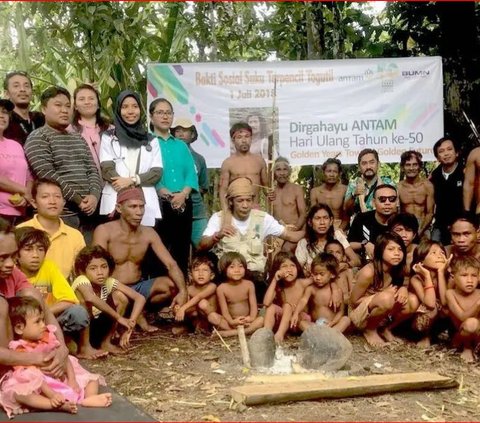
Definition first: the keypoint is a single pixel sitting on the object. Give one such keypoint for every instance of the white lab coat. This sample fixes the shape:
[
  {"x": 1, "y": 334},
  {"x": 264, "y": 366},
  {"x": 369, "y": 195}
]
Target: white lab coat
[{"x": 111, "y": 150}]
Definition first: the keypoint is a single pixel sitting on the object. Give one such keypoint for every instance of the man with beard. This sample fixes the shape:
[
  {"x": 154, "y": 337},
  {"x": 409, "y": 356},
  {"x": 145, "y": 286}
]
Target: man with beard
[
  {"x": 415, "y": 193},
  {"x": 447, "y": 180},
  {"x": 359, "y": 195},
  {"x": 19, "y": 90},
  {"x": 243, "y": 163},
  {"x": 332, "y": 192},
  {"x": 368, "y": 225},
  {"x": 288, "y": 200}
]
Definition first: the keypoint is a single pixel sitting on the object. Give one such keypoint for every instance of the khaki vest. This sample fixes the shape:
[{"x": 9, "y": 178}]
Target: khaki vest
[{"x": 249, "y": 245}]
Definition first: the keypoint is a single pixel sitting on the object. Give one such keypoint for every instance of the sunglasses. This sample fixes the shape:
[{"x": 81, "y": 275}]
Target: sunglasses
[{"x": 391, "y": 199}]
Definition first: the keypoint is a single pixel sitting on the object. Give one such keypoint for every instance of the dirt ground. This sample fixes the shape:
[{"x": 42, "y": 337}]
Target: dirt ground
[{"x": 187, "y": 378}]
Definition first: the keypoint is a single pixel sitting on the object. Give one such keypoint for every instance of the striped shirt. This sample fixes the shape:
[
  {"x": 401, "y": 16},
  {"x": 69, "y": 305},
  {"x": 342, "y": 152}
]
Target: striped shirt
[{"x": 65, "y": 158}]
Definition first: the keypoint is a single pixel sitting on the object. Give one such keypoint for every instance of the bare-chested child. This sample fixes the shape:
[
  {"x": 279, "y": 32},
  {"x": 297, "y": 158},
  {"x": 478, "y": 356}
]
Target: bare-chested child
[
  {"x": 236, "y": 298},
  {"x": 345, "y": 272},
  {"x": 128, "y": 241},
  {"x": 105, "y": 299},
  {"x": 405, "y": 225},
  {"x": 201, "y": 293},
  {"x": 379, "y": 301},
  {"x": 332, "y": 192},
  {"x": 242, "y": 163},
  {"x": 283, "y": 294},
  {"x": 428, "y": 283},
  {"x": 288, "y": 200},
  {"x": 415, "y": 192},
  {"x": 463, "y": 302},
  {"x": 319, "y": 297}
]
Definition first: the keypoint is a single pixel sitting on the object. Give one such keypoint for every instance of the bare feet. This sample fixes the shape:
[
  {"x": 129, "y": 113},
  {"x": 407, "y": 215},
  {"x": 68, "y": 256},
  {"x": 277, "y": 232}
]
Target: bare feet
[
  {"x": 100, "y": 400},
  {"x": 68, "y": 407},
  {"x": 424, "y": 342},
  {"x": 144, "y": 325},
  {"x": 373, "y": 338},
  {"x": 278, "y": 338},
  {"x": 20, "y": 410},
  {"x": 390, "y": 337},
  {"x": 90, "y": 353},
  {"x": 113, "y": 349},
  {"x": 467, "y": 355}
]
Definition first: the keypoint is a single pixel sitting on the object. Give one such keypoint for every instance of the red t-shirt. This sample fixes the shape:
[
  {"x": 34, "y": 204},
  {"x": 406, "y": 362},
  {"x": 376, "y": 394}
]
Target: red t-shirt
[{"x": 14, "y": 283}]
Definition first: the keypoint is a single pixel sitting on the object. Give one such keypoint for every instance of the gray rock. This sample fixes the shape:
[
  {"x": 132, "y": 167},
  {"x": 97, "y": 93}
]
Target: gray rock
[
  {"x": 262, "y": 348},
  {"x": 323, "y": 348}
]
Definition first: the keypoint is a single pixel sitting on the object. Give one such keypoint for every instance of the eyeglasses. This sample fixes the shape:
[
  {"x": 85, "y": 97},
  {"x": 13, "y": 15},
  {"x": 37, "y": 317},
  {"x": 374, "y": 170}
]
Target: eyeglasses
[
  {"x": 163, "y": 113},
  {"x": 391, "y": 199}
]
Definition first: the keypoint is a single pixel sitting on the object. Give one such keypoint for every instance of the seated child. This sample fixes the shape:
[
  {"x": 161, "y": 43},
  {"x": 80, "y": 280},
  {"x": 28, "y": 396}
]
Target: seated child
[
  {"x": 201, "y": 292},
  {"x": 428, "y": 283},
  {"x": 319, "y": 297},
  {"x": 405, "y": 225},
  {"x": 463, "y": 302},
  {"x": 57, "y": 293},
  {"x": 283, "y": 294},
  {"x": 105, "y": 298},
  {"x": 236, "y": 298},
  {"x": 26, "y": 386},
  {"x": 345, "y": 272},
  {"x": 379, "y": 299}
]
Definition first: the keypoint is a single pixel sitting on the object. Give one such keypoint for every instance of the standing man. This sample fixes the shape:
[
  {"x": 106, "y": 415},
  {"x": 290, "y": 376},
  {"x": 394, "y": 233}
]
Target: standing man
[
  {"x": 63, "y": 156},
  {"x": 416, "y": 193},
  {"x": 288, "y": 200},
  {"x": 447, "y": 180},
  {"x": 332, "y": 192},
  {"x": 19, "y": 90},
  {"x": 242, "y": 163},
  {"x": 471, "y": 184},
  {"x": 127, "y": 241},
  {"x": 359, "y": 195}
]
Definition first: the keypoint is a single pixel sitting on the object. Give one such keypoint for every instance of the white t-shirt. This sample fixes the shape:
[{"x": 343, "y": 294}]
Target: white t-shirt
[{"x": 270, "y": 225}]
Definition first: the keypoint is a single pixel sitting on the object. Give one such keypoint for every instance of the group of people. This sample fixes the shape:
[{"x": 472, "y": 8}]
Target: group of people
[{"x": 101, "y": 221}]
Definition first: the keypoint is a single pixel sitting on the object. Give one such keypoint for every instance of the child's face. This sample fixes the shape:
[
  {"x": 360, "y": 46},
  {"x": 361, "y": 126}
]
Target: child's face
[
  {"x": 405, "y": 233},
  {"x": 321, "y": 275},
  {"x": 393, "y": 254},
  {"x": 336, "y": 251},
  {"x": 31, "y": 256},
  {"x": 435, "y": 258},
  {"x": 235, "y": 271},
  {"x": 289, "y": 271},
  {"x": 466, "y": 279},
  {"x": 97, "y": 271},
  {"x": 34, "y": 327},
  {"x": 202, "y": 274}
]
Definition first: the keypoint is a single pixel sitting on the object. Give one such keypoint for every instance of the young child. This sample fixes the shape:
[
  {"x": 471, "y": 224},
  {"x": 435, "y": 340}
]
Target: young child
[
  {"x": 464, "y": 304},
  {"x": 283, "y": 294},
  {"x": 428, "y": 283},
  {"x": 44, "y": 274},
  {"x": 378, "y": 297},
  {"x": 319, "y": 297},
  {"x": 345, "y": 272},
  {"x": 236, "y": 298},
  {"x": 405, "y": 225},
  {"x": 26, "y": 386},
  {"x": 105, "y": 298},
  {"x": 201, "y": 292}
]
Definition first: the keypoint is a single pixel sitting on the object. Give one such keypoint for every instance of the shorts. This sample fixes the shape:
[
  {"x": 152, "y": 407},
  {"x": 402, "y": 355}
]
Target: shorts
[
  {"x": 359, "y": 315},
  {"x": 73, "y": 319},
  {"x": 143, "y": 287}
]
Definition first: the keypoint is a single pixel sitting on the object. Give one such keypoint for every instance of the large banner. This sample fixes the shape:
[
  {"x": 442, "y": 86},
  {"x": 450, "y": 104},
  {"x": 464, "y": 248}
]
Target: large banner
[{"x": 312, "y": 109}]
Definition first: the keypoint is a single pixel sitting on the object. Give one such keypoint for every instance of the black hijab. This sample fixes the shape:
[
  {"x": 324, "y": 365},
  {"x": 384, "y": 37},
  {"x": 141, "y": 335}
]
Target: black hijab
[{"x": 130, "y": 136}]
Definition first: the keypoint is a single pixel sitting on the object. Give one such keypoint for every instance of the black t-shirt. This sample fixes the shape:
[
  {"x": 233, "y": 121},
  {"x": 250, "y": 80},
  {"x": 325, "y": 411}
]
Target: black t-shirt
[
  {"x": 365, "y": 227},
  {"x": 19, "y": 128}
]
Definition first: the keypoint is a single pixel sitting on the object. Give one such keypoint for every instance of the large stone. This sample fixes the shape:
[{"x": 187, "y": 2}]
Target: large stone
[
  {"x": 323, "y": 348},
  {"x": 262, "y": 348}
]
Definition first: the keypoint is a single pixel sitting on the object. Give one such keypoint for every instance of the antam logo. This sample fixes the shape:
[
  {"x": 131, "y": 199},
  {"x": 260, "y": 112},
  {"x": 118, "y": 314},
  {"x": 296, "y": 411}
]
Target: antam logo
[{"x": 413, "y": 73}]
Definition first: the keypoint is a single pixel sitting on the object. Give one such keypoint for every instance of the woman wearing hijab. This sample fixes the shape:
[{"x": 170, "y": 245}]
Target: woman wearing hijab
[{"x": 129, "y": 156}]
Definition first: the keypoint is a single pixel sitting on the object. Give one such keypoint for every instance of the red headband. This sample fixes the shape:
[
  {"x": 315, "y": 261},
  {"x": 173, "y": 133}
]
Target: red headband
[{"x": 130, "y": 194}]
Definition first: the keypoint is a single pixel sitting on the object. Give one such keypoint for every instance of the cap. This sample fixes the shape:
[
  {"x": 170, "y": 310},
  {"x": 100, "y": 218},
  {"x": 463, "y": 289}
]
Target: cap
[
  {"x": 182, "y": 122},
  {"x": 7, "y": 104}
]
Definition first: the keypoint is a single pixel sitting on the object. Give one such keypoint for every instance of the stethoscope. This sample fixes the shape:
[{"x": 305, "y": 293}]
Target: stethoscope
[{"x": 118, "y": 156}]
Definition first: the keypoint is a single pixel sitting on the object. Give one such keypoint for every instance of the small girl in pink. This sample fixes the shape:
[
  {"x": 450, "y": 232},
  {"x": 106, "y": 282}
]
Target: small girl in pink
[{"x": 26, "y": 387}]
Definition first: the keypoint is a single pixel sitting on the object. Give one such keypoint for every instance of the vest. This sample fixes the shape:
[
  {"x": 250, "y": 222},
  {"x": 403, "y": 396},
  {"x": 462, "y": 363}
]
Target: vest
[{"x": 249, "y": 245}]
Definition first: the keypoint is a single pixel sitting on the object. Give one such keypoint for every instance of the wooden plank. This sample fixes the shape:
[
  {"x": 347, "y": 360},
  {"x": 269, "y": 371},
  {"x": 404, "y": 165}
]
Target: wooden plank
[
  {"x": 339, "y": 387},
  {"x": 243, "y": 346},
  {"x": 293, "y": 377}
]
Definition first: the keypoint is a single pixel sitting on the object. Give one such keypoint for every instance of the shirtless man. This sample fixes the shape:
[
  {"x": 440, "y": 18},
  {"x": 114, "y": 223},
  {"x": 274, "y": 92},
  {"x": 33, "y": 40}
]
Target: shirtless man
[
  {"x": 128, "y": 241},
  {"x": 471, "y": 188},
  {"x": 332, "y": 192},
  {"x": 288, "y": 200},
  {"x": 416, "y": 194},
  {"x": 242, "y": 163}
]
